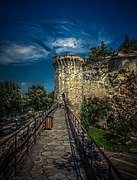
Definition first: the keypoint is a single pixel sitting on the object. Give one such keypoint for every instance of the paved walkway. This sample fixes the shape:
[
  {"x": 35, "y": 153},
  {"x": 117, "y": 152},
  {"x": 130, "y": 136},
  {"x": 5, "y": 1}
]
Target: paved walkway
[{"x": 54, "y": 157}]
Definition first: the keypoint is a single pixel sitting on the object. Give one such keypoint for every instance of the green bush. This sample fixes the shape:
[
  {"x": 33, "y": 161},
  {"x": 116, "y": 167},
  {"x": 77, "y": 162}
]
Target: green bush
[
  {"x": 93, "y": 110},
  {"x": 110, "y": 142}
]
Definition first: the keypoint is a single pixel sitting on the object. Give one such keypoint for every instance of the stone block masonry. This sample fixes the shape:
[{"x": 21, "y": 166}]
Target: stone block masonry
[
  {"x": 69, "y": 79},
  {"x": 77, "y": 78}
]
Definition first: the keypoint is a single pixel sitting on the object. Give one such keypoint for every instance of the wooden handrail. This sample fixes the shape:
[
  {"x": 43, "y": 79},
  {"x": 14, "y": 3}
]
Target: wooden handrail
[{"x": 16, "y": 145}]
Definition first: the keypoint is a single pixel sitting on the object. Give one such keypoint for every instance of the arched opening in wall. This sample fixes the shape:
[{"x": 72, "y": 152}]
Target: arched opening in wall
[{"x": 63, "y": 96}]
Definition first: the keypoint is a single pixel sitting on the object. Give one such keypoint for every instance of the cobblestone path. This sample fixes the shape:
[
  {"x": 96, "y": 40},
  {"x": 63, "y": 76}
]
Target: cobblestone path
[{"x": 54, "y": 157}]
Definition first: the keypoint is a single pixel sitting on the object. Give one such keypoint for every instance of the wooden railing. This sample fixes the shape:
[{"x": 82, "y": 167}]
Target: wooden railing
[
  {"x": 97, "y": 164},
  {"x": 16, "y": 145}
]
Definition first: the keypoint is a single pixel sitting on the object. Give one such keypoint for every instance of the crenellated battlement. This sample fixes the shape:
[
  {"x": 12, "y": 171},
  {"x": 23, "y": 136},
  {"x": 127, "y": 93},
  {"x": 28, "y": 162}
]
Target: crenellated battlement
[
  {"x": 65, "y": 60},
  {"x": 67, "y": 56}
]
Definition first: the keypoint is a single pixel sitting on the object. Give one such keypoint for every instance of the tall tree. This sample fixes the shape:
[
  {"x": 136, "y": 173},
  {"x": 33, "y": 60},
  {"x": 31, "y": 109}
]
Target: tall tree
[
  {"x": 128, "y": 46},
  {"x": 10, "y": 99},
  {"x": 101, "y": 52},
  {"x": 39, "y": 98}
]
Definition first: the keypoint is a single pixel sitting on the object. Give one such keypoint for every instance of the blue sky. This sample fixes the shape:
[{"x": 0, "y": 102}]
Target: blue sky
[{"x": 33, "y": 31}]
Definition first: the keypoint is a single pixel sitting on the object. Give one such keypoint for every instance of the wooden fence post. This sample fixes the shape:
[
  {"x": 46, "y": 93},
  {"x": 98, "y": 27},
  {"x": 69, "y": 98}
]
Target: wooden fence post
[
  {"x": 35, "y": 130},
  {"x": 15, "y": 160},
  {"x": 28, "y": 139}
]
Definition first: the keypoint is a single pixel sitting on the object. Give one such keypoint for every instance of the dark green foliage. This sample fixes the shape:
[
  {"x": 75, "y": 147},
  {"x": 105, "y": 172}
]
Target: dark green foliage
[
  {"x": 10, "y": 99},
  {"x": 37, "y": 96},
  {"x": 98, "y": 108},
  {"x": 129, "y": 46},
  {"x": 100, "y": 52},
  {"x": 13, "y": 102},
  {"x": 122, "y": 127},
  {"x": 93, "y": 111},
  {"x": 50, "y": 98},
  {"x": 119, "y": 129},
  {"x": 110, "y": 142},
  {"x": 37, "y": 99}
]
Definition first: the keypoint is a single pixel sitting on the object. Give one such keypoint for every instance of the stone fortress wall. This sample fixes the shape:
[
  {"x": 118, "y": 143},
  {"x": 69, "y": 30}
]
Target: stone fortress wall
[{"x": 77, "y": 78}]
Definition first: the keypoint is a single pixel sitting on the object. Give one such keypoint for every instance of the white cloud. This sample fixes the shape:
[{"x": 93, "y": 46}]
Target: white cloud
[
  {"x": 44, "y": 39},
  {"x": 21, "y": 53},
  {"x": 67, "y": 42},
  {"x": 72, "y": 45}
]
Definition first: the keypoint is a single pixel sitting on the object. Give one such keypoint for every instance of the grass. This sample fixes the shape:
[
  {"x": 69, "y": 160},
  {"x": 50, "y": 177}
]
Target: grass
[{"x": 111, "y": 142}]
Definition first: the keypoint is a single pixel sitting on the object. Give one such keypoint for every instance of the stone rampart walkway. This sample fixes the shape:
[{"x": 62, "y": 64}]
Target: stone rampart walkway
[{"x": 54, "y": 157}]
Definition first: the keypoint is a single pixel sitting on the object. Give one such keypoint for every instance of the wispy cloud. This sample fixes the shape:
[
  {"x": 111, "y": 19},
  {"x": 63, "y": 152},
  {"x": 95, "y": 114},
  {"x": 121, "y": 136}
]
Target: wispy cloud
[
  {"x": 30, "y": 42},
  {"x": 13, "y": 52}
]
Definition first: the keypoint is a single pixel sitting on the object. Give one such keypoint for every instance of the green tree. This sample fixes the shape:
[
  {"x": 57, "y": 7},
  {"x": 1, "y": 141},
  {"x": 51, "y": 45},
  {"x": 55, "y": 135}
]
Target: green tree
[
  {"x": 128, "y": 46},
  {"x": 94, "y": 53},
  {"x": 98, "y": 109},
  {"x": 50, "y": 98},
  {"x": 94, "y": 111},
  {"x": 36, "y": 94},
  {"x": 26, "y": 101},
  {"x": 101, "y": 52},
  {"x": 10, "y": 99},
  {"x": 39, "y": 99},
  {"x": 103, "y": 49},
  {"x": 13, "y": 102}
]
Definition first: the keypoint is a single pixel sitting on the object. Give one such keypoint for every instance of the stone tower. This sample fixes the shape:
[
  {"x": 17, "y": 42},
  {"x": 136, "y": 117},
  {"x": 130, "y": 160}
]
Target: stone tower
[{"x": 69, "y": 79}]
